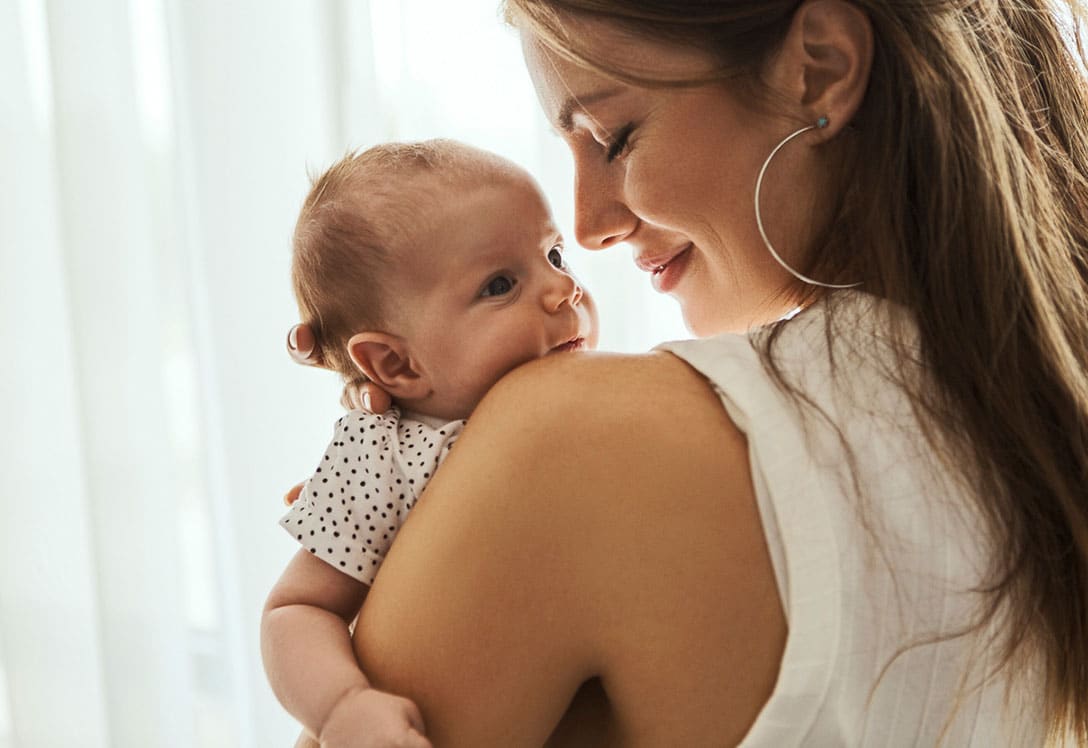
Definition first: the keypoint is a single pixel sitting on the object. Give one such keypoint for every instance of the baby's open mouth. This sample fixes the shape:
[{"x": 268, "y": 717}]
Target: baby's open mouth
[{"x": 574, "y": 344}]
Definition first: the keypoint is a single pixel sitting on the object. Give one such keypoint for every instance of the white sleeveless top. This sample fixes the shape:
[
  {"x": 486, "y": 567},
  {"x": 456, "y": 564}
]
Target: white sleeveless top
[{"x": 861, "y": 579}]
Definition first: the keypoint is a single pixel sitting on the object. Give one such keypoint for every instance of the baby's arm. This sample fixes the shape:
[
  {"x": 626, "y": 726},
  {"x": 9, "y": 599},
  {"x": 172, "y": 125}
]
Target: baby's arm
[{"x": 307, "y": 653}]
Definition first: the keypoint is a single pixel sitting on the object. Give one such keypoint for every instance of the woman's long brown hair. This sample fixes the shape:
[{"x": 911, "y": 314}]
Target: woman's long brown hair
[{"x": 970, "y": 208}]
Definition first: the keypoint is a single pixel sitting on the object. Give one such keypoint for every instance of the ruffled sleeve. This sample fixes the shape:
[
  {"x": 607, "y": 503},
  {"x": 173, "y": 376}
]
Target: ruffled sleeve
[{"x": 369, "y": 478}]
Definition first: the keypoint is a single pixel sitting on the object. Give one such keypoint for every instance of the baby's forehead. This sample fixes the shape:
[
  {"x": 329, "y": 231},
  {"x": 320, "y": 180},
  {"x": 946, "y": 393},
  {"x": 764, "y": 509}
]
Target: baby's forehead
[
  {"x": 408, "y": 196},
  {"x": 454, "y": 181},
  {"x": 466, "y": 223},
  {"x": 495, "y": 194}
]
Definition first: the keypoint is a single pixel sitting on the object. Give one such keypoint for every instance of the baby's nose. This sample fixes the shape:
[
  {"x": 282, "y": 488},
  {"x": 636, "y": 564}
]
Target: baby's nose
[{"x": 562, "y": 288}]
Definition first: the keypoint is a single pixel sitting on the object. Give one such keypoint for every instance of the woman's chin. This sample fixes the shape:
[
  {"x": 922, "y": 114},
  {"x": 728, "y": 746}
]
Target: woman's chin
[{"x": 703, "y": 324}]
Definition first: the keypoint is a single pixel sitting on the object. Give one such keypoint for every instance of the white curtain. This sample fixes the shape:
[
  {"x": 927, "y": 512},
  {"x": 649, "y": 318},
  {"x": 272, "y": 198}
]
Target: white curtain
[{"x": 154, "y": 153}]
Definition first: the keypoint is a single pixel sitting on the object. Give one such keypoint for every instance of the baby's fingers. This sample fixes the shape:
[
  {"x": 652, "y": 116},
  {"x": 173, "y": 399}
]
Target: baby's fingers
[
  {"x": 414, "y": 717},
  {"x": 415, "y": 740}
]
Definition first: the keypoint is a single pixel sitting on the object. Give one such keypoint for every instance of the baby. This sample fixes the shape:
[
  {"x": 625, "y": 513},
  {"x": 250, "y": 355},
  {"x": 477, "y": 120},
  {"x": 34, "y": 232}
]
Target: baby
[{"x": 431, "y": 270}]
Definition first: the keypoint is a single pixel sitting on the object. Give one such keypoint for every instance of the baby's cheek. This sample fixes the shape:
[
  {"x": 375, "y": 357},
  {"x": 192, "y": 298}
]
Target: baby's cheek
[
  {"x": 594, "y": 329},
  {"x": 474, "y": 390}
]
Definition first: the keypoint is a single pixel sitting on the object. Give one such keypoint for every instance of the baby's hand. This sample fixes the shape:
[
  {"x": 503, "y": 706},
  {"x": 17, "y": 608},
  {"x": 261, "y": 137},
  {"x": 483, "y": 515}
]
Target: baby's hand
[{"x": 365, "y": 717}]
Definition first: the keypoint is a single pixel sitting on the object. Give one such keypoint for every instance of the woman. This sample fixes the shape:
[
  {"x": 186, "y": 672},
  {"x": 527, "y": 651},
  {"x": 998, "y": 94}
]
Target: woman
[{"x": 866, "y": 522}]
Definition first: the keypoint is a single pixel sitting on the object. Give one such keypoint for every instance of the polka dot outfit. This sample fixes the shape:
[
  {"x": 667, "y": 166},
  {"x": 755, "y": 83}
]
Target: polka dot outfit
[{"x": 371, "y": 475}]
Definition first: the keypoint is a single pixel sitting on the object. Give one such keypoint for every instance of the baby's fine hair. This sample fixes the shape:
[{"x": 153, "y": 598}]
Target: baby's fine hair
[{"x": 358, "y": 213}]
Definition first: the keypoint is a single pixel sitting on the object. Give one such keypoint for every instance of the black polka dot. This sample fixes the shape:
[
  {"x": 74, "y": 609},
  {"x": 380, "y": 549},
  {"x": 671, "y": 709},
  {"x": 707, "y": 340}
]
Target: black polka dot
[{"x": 398, "y": 482}]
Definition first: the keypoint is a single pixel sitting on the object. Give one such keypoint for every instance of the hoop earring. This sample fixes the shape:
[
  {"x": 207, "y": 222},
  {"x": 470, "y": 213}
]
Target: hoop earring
[{"x": 820, "y": 124}]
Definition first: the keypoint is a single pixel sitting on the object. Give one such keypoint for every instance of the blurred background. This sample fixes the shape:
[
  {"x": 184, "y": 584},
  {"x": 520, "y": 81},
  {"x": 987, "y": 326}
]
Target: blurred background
[{"x": 153, "y": 154}]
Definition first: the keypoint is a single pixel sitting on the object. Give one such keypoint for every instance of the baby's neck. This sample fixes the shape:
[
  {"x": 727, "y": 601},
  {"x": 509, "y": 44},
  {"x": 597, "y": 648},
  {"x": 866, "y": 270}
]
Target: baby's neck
[{"x": 431, "y": 420}]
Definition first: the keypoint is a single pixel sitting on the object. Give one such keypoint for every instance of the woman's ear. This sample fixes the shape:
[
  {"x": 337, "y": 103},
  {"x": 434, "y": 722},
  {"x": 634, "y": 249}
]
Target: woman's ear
[
  {"x": 825, "y": 62},
  {"x": 386, "y": 361}
]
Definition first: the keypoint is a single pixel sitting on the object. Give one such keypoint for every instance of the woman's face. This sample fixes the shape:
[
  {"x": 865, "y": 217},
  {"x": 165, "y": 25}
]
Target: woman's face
[{"x": 672, "y": 171}]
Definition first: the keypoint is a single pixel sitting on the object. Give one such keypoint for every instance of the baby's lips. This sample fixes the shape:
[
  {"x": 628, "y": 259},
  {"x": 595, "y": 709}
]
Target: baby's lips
[{"x": 574, "y": 344}]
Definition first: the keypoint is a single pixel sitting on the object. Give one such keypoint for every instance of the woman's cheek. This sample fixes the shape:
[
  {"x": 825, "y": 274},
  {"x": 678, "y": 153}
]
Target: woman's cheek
[{"x": 649, "y": 195}]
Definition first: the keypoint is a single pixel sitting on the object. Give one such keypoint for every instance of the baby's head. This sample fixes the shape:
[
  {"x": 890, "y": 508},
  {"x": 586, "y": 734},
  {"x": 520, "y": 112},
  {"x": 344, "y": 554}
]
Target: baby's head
[{"x": 433, "y": 269}]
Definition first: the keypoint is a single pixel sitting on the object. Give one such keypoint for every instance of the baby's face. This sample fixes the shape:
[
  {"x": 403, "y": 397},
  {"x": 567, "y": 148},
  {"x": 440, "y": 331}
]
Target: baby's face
[{"x": 486, "y": 288}]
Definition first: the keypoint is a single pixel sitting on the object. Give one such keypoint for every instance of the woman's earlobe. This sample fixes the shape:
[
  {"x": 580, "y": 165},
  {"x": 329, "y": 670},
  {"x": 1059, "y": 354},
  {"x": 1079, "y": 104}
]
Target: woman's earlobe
[
  {"x": 834, "y": 40},
  {"x": 386, "y": 360}
]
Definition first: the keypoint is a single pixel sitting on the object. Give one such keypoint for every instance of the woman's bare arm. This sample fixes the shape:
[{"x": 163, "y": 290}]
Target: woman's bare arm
[{"x": 595, "y": 519}]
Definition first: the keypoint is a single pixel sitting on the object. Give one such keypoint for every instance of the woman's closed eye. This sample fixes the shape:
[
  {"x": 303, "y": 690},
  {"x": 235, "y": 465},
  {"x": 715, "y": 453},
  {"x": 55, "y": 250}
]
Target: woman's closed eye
[
  {"x": 618, "y": 144},
  {"x": 500, "y": 285}
]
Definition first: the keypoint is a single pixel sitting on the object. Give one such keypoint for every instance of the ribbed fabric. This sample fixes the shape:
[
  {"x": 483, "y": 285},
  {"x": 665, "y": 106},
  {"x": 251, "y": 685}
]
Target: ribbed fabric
[{"x": 876, "y": 545}]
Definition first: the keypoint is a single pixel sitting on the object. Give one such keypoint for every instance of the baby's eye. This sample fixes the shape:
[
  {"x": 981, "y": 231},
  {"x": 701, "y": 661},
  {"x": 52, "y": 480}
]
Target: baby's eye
[
  {"x": 499, "y": 286},
  {"x": 555, "y": 256}
]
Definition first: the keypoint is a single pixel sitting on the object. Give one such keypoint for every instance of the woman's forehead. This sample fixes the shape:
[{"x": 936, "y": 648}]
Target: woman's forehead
[
  {"x": 628, "y": 53},
  {"x": 562, "y": 85},
  {"x": 566, "y": 86}
]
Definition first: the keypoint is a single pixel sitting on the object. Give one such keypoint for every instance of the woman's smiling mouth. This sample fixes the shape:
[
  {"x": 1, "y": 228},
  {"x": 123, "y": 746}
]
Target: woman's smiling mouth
[{"x": 665, "y": 271}]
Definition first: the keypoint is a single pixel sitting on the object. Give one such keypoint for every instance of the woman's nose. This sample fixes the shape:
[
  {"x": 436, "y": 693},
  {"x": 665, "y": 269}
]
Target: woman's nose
[
  {"x": 601, "y": 218},
  {"x": 562, "y": 288}
]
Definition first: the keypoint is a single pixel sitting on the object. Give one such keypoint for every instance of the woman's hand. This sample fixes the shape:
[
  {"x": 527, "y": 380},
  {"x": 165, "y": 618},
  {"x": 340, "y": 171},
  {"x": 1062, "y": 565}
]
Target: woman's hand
[
  {"x": 358, "y": 395},
  {"x": 366, "y": 717},
  {"x": 361, "y": 394},
  {"x": 302, "y": 346},
  {"x": 365, "y": 395}
]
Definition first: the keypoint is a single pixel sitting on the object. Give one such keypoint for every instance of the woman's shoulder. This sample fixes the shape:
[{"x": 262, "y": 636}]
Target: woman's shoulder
[
  {"x": 592, "y": 423},
  {"x": 600, "y": 390},
  {"x": 613, "y": 479},
  {"x": 643, "y": 412}
]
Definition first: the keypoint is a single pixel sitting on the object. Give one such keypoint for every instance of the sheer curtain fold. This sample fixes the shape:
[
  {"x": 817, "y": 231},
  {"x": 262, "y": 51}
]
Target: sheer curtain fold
[
  {"x": 46, "y": 556},
  {"x": 121, "y": 557},
  {"x": 154, "y": 156}
]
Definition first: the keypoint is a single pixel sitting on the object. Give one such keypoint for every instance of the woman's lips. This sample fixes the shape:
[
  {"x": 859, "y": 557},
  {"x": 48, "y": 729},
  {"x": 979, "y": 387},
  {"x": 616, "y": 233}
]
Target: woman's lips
[{"x": 666, "y": 275}]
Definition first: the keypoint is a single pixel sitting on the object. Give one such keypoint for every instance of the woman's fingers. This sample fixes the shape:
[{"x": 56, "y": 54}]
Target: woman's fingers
[
  {"x": 302, "y": 346},
  {"x": 359, "y": 395},
  {"x": 375, "y": 399},
  {"x": 365, "y": 395}
]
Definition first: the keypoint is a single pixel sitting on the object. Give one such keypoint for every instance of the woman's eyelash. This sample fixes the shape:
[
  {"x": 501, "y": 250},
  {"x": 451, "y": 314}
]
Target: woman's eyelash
[{"x": 619, "y": 143}]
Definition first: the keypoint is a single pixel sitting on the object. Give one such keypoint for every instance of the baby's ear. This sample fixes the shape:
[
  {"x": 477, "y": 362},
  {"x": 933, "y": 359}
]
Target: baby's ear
[{"x": 386, "y": 361}]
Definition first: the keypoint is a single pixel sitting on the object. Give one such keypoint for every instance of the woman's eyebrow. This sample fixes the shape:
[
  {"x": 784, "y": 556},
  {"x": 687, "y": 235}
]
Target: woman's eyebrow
[{"x": 566, "y": 112}]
